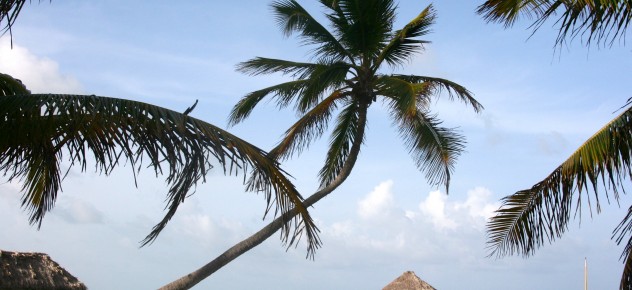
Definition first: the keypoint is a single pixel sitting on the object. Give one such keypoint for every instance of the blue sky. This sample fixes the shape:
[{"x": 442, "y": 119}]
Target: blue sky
[{"x": 540, "y": 103}]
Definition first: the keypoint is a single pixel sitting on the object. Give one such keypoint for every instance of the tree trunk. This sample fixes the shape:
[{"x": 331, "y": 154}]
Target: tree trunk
[{"x": 191, "y": 279}]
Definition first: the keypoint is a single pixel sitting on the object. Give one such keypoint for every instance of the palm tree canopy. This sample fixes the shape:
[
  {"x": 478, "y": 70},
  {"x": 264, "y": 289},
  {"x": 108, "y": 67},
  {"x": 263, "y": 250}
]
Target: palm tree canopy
[
  {"x": 37, "y": 131},
  {"x": 344, "y": 79},
  {"x": 595, "y": 19}
]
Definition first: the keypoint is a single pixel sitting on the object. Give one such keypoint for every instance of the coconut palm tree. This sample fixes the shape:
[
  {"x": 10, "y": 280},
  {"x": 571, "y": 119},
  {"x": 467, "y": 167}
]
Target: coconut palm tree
[
  {"x": 342, "y": 82},
  {"x": 37, "y": 131},
  {"x": 529, "y": 218}
]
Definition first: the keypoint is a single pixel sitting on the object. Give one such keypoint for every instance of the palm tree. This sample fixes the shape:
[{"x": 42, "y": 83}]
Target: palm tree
[
  {"x": 38, "y": 130},
  {"x": 529, "y": 218},
  {"x": 345, "y": 78}
]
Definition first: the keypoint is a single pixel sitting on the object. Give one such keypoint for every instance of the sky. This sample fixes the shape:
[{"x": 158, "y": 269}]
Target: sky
[{"x": 541, "y": 102}]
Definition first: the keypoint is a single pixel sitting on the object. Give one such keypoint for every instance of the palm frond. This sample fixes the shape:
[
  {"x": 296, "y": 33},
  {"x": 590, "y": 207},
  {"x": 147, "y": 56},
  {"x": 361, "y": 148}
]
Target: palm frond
[
  {"x": 342, "y": 137},
  {"x": 407, "y": 96},
  {"x": 453, "y": 89},
  {"x": 324, "y": 78},
  {"x": 530, "y": 217},
  {"x": 368, "y": 25},
  {"x": 10, "y": 86},
  {"x": 262, "y": 65},
  {"x": 509, "y": 11},
  {"x": 624, "y": 231},
  {"x": 434, "y": 149},
  {"x": 597, "y": 20},
  {"x": 403, "y": 45},
  {"x": 9, "y": 11},
  {"x": 309, "y": 127},
  {"x": 292, "y": 17},
  {"x": 38, "y": 131},
  {"x": 339, "y": 24},
  {"x": 284, "y": 92}
]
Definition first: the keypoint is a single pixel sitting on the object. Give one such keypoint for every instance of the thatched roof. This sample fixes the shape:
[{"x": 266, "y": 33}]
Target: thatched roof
[
  {"x": 29, "y": 271},
  {"x": 408, "y": 281}
]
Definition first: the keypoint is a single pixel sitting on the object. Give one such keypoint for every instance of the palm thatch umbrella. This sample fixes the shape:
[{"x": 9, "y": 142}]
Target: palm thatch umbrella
[
  {"x": 29, "y": 271},
  {"x": 408, "y": 281}
]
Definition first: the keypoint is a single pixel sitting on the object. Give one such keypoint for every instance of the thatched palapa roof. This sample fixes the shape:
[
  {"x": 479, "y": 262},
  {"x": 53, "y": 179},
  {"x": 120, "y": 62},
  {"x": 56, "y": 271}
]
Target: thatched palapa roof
[
  {"x": 29, "y": 271},
  {"x": 408, "y": 281}
]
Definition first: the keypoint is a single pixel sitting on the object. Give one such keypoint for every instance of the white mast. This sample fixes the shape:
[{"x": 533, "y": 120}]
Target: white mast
[{"x": 585, "y": 274}]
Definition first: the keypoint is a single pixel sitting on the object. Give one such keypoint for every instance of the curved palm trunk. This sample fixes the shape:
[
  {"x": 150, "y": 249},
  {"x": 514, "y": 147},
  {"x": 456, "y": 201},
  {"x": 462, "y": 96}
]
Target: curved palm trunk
[{"x": 191, "y": 279}]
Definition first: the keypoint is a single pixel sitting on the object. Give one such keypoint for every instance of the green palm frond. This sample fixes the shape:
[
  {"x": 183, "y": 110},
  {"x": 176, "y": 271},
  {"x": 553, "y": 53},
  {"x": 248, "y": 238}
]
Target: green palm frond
[
  {"x": 622, "y": 232},
  {"x": 38, "y": 131},
  {"x": 597, "y": 20},
  {"x": 292, "y": 17},
  {"x": 324, "y": 78},
  {"x": 453, "y": 89},
  {"x": 339, "y": 23},
  {"x": 509, "y": 11},
  {"x": 262, "y": 65},
  {"x": 342, "y": 137},
  {"x": 530, "y": 217},
  {"x": 368, "y": 25},
  {"x": 309, "y": 127},
  {"x": 403, "y": 45},
  {"x": 284, "y": 92},
  {"x": 408, "y": 97},
  {"x": 10, "y": 86},
  {"x": 433, "y": 148}
]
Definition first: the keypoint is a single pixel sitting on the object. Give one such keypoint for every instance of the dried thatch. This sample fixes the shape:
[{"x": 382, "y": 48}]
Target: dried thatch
[
  {"x": 30, "y": 271},
  {"x": 408, "y": 281}
]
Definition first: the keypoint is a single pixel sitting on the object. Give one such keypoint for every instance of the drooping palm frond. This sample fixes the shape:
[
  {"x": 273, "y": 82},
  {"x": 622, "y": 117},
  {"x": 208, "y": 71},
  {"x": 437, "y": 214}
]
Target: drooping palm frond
[
  {"x": 597, "y": 20},
  {"x": 454, "y": 90},
  {"x": 9, "y": 11},
  {"x": 38, "y": 131},
  {"x": 433, "y": 148},
  {"x": 531, "y": 217},
  {"x": 403, "y": 45}
]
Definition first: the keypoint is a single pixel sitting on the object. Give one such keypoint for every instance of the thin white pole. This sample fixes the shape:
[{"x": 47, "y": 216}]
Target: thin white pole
[{"x": 585, "y": 274}]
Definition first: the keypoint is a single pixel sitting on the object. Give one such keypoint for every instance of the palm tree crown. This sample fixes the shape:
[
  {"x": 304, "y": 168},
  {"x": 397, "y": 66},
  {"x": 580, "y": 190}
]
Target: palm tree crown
[{"x": 345, "y": 77}]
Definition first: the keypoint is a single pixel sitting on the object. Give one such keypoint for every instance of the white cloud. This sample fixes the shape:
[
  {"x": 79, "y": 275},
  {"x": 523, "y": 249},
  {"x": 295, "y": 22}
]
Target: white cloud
[
  {"x": 434, "y": 206},
  {"x": 40, "y": 75},
  {"x": 378, "y": 202},
  {"x": 478, "y": 206},
  {"x": 391, "y": 230}
]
